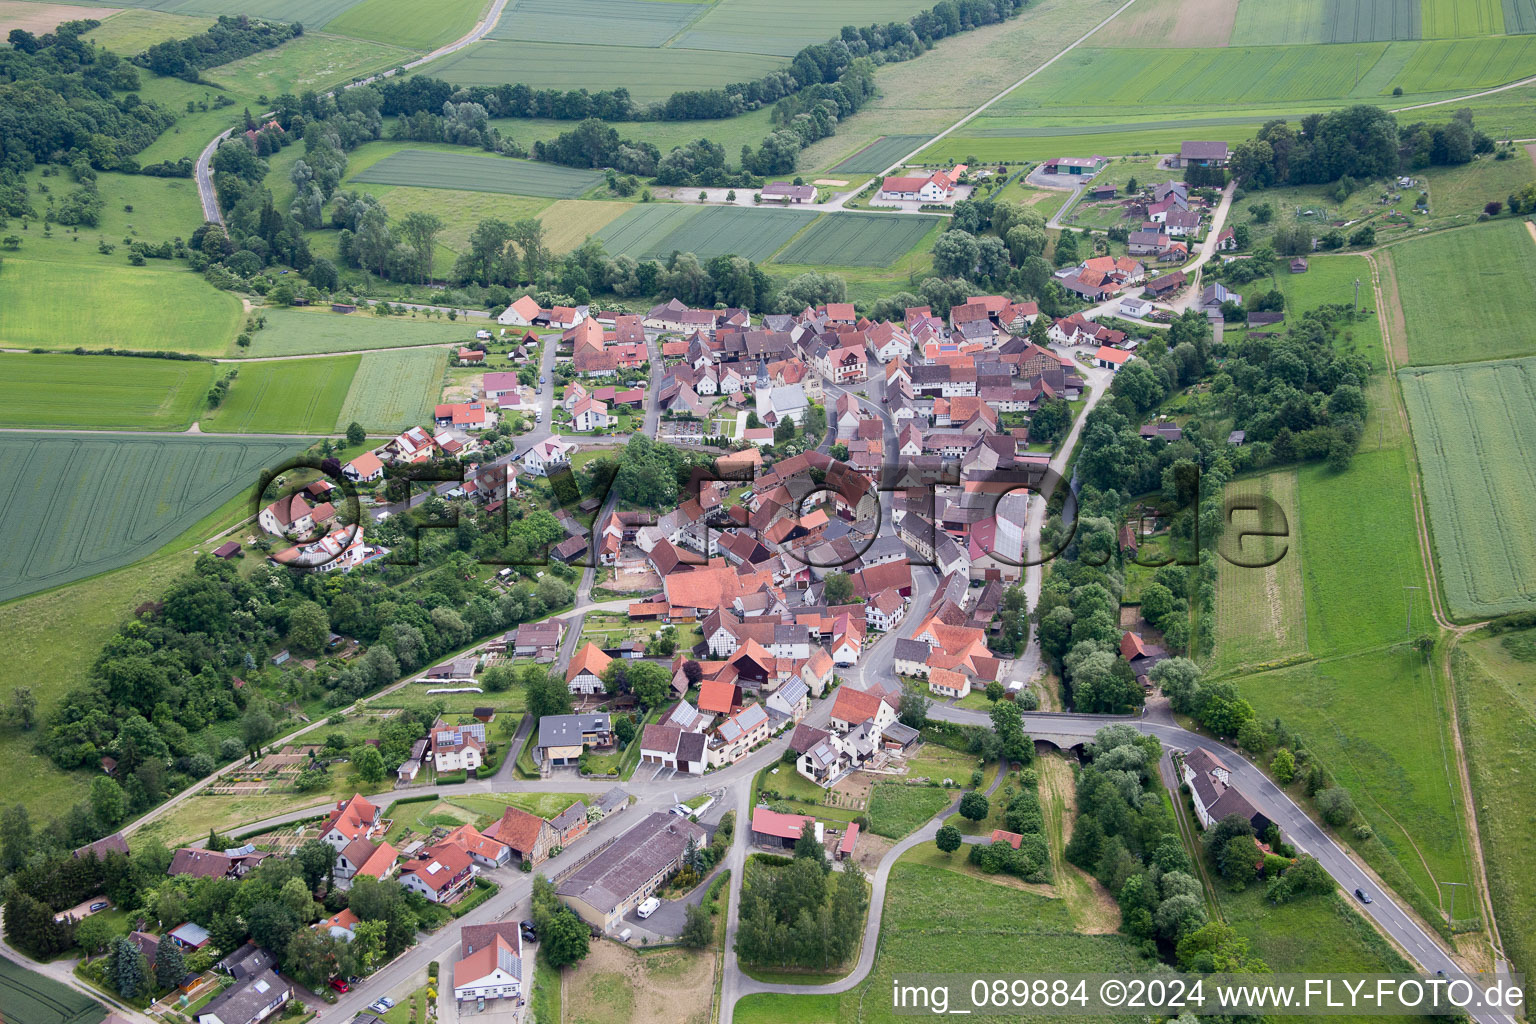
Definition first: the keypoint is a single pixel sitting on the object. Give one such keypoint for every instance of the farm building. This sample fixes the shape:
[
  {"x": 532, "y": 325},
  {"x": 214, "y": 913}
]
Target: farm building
[
  {"x": 1086, "y": 166},
  {"x": 1200, "y": 154},
  {"x": 782, "y": 192},
  {"x": 604, "y": 889}
]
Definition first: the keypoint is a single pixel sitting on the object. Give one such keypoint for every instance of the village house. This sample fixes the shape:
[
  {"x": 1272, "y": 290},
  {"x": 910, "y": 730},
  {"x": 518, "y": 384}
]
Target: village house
[
  {"x": 547, "y": 456},
  {"x": 584, "y": 675},
  {"x": 521, "y": 313},
  {"x": 490, "y": 964},
  {"x": 1201, "y": 154},
  {"x": 457, "y": 747},
  {"x": 935, "y": 188},
  {"x": 564, "y": 738},
  {"x": 351, "y": 820},
  {"x": 441, "y": 873},
  {"x": 528, "y": 836}
]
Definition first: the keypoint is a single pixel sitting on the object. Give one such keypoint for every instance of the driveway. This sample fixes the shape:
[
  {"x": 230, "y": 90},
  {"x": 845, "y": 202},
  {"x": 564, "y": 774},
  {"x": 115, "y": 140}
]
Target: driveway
[{"x": 668, "y": 920}]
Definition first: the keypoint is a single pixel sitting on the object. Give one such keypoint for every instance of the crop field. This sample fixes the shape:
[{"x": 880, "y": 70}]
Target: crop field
[
  {"x": 77, "y": 504},
  {"x": 1260, "y": 614},
  {"x": 400, "y": 22},
  {"x": 880, "y": 154},
  {"x": 132, "y": 31},
  {"x": 292, "y": 332},
  {"x": 1448, "y": 65},
  {"x": 31, "y": 998},
  {"x": 1398, "y": 766},
  {"x": 783, "y": 27},
  {"x": 315, "y": 60},
  {"x": 1475, "y": 434},
  {"x": 1468, "y": 294},
  {"x": 936, "y": 919},
  {"x": 112, "y": 307},
  {"x": 648, "y": 72},
  {"x": 1496, "y": 691},
  {"x": 1172, "y": 23},
  {"x": 1447, "y": 19},
  {"x": 1519, "y": 15},
  {"x": 424, "y": 168},
  {"x": 1266, "y": 23},
  {"x": 858, "y": 240},
  {"x": 1365, "y": 21},
  {"x": 39, "y": 18},
  {"x": 597, "y": 22},
  {"x": 569, "y": 222},
  {"x": 290, "y": 396},
  {"x": 659, "y": 229},
  {"x": 394, "y": 390},
  {"x": 100, "y": 392}
]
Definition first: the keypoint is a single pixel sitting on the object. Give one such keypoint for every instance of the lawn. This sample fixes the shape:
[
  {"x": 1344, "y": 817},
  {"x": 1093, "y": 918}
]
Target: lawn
[
  {"x": 1496, "y": 692},
  {"x": 77, "y": 504},
  {"x": 393, "y": 390},
  {"x": 1260, "y": 615},
  {"x": 1475, "y": 436},
  {"x": 400, "y": 22},
  {"x": 139, "y": 309},
  {"x": 424, "y": 168},
  {"x": 101, "y": 392},
  {"x": 661, "y": 229},
  {"x": 299, "y": 396},
  {"x": 859, "y": 239},
  {"x": 881, "y": 154},
  {"x": 1379, "y": 722},
  {"x": 31, "y": 998},
  {"x": 896, "y": 811},
  {"x": 314, "y": 61},
  {"x": 134, "y": 31},
  {"x": 937, "y": 920},
  {"x": 306, "y": 331},
  {"x": 649, "y": 73},
  {"x": 1468, "y": 295}
]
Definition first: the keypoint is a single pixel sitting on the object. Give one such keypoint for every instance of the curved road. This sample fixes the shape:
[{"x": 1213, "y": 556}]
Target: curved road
[{"x": 203, "y": 173}]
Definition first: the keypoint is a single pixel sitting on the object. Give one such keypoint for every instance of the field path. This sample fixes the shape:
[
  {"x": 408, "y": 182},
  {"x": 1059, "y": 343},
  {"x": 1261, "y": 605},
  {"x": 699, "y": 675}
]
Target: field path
[
  {"x": 1469, "y": 96},
  {"x": 1427, "y": 552},
  {"x": 1530, "y": 226},
  {"x": 203, "y": 173}
]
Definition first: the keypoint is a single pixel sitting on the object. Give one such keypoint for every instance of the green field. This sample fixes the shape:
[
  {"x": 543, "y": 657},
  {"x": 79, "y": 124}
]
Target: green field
[
  {"x": 783, "y": 27},
  {"x": 1468, "y": 295},
  {"x": 79, "y": 504},
  {"x": 1265, "y": 23},
  {"x": 660, "y": 229},
  {"x": 1260, "y": 612},
  {"x": 881, "y": 154},
  {"x": 597, "y": 22},
  {"x": 1475, "y": 433},
  {"x": 400, "y": 22},
  {"x": 55, "y": 305},
  {"x": 134, "y": 31},
  {"x": 289, "y": 396},
  {"x": 858, "y": 239},
  {"x": 1365, "y": 21},
  {"x": 31, "y": 998},
  {"x": 1398, "y": 766},
  {"x": 937, "y": 920},
  {"x": 313, "y": 13},
  {"x": 1496, "y": 693},
  {"x": 649, "y": 73},
  {"x": 315, "y": 60},
  {"x": 100, "y": 392},
  {"x": 570, "y": 222},
  {"x": 1451, "y": 18},
  {"x": 423, "y": 168},
  {"x": 394, "y": 390},
  {"x": 1519, "y": 15},
  {"x": 302, "y": 332}
]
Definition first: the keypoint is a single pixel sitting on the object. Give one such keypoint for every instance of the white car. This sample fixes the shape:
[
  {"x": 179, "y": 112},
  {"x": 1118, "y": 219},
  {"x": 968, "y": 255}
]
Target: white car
[{"x": 648, "y": 907}]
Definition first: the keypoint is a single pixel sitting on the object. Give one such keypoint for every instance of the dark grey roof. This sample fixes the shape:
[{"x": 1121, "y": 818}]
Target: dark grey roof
[
  {"x": 243, "y": 1001},
  {"x": 567, "y": 730},
  {"x": 613, "y": 800},
  {"x": 690, "y": 746},
  {"x": 650, "y": 847}
]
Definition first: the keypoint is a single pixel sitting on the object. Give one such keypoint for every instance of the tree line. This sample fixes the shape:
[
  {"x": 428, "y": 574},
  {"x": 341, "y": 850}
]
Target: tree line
[{"x": 227, "y": 39}]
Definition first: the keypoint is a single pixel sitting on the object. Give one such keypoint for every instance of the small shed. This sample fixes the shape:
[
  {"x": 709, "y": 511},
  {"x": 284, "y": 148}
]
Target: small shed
[
  {"x": 229, "y": 549},
  {"x": 343, "y": 307}
]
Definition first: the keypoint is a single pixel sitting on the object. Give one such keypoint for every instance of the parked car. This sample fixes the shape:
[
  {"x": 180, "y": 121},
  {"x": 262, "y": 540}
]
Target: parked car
[
  {"x": 99, "y": 905},
  {"x": 1362, "y": 896},
  {"x": 340, "y": 984},
  {"x": 530, "y": 933},
  {"x": 648, "y": 907}
]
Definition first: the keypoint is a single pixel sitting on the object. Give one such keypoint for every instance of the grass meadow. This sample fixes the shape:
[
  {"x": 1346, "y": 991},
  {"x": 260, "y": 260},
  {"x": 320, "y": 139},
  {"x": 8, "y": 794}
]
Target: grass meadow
[
  {"x": 400, "y": 22},
  {"x": 100, "y": 392},
  {"x": 422, "y": 168},
  {"x": 81, "y": 504},
  {"x": 112, "y": 307},
  {"x": 393, "y": 390},
  {"x": 659, "y": 229},
  {"x": 302, "y": 332},
  {"x": 897, "y": 810},
  {"x": 134, "y": 31},
  {"x": 1468, "y": 295},
  {"x": 858, "y": 239},
  {"x": 935, "y": 920},
  {"x": 1496, "y": 693},
  {"x": 299, "y": 396},
  {"x": 1260, "y": 613},
  {"x": 315, "y": 60},
  {"x": 1475, "y": 437}
]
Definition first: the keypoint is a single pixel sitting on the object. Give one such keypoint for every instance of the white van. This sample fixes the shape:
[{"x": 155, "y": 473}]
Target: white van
[{"x": 648, "y": 907}]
